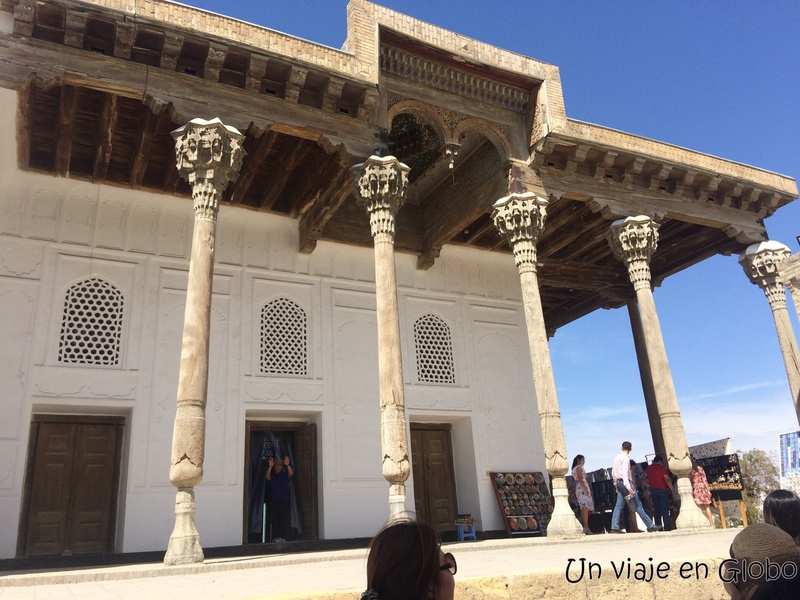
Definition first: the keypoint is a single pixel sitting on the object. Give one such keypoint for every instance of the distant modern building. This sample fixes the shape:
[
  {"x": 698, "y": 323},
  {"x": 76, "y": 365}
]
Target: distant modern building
[{"x": 790, "y": 460}]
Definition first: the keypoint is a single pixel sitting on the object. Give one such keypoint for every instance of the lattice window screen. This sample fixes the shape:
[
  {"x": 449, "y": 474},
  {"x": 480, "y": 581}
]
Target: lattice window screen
[
  {"x": 434, "y": 347},
  {"x": 284, "y": 338},
  {"x": 91, "y": 327}
]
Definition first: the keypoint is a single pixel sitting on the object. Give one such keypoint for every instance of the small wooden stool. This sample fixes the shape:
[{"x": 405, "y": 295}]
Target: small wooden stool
[{"x": 465, "y": 526}]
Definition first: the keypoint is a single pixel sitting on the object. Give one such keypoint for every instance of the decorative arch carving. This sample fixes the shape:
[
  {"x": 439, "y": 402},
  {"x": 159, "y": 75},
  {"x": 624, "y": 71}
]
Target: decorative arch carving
[
  {"x": 425, "y": 113},
  {"x": 492, "y": 132}
]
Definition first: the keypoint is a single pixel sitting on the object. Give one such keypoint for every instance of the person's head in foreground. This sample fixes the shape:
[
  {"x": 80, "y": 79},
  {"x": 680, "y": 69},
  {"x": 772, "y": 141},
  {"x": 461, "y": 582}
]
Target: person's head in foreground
[
  {"x": 782, "y": 509},
  {"x": 406, "y": 562},
  {"x": 759, "y": 553}
]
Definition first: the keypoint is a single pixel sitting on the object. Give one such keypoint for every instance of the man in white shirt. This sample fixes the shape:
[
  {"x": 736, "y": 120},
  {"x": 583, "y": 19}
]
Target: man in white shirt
[{"x": 626, "y": 491}]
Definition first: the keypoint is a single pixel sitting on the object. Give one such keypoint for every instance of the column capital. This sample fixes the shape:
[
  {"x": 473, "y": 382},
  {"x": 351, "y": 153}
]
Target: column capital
[
  {"x": 380, "y": 186},
  {"x": 633, "y": 241},
  {"x": 209, "y": 155},
  {"x": 761, "y": 264},
  {"x": 519, "y": 218}
]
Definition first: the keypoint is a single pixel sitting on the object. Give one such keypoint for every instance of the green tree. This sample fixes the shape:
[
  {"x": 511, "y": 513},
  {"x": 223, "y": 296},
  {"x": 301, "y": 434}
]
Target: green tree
[{"x": 760, "y": 476}]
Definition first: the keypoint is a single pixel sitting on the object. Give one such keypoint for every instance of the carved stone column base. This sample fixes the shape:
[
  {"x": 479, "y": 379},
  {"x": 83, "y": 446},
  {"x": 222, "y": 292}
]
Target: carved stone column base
[
  {"x": 397, "y": 502},
  {"x": 563, "y": 523},
  {"x": 691, "y": 517},
  {"x": 184, "y": 543}
]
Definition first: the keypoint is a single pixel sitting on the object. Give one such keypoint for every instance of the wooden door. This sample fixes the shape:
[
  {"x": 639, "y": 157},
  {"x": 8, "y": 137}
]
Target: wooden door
[
  {"x": 434, "y": 476},
  {"x": 304, "y": 442},
  {"x": 72, "y": 483}
]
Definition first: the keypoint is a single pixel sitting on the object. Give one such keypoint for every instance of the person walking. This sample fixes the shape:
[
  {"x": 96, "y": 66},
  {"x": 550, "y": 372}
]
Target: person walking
[
  {"x": 626, "y": 492},
  {"x": 583, "y": 492},
  {"x": 661, "y": 489}
]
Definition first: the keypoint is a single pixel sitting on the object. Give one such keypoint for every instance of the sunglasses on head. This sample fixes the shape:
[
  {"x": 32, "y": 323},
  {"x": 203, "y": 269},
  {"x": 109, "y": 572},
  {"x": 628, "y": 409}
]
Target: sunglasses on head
[{"x": 450, "y": 564}]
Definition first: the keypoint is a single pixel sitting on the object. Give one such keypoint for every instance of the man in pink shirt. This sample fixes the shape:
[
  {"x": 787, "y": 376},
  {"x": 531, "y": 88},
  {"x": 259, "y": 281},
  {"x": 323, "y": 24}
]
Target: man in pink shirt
[{"x": 626, "y": 491}]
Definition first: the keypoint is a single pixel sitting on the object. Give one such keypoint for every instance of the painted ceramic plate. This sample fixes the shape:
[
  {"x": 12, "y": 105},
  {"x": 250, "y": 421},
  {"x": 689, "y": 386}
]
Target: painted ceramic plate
[
  {"x": 514, "y": 524},
  {"x": 519, "y": 479},
  {"x": 523, "y": 524},
  {"x": 499, "y": 478},
  {"x": 509, "y": 479},
  {"x": 536, "y": 510},
  {"x": 532, "y": 523},
  {"x": 528, "y": 478},
  {"x": 538, "y": 478},
  {"x": 507, "y": 510}
]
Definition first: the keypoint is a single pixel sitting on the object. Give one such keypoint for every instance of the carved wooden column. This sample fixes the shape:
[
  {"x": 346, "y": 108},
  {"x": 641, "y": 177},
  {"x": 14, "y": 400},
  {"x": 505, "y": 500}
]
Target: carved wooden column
[
  {"x": 209, "y": 155},
  {"x": 520, "y": 219},
  {"x": 789, "y": 270},
  {"x": 761, "y": 263},
  {"x": 646, "y": 377},
  {"x": 634, "y": 241},
  {"x": 380, "y": 187}
]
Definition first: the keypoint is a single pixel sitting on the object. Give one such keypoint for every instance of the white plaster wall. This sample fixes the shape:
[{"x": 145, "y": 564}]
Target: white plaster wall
[{"x": 55, "y": 231}]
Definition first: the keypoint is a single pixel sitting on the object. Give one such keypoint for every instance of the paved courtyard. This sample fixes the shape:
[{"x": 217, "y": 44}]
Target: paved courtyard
[{"x": 509, "y": 568}]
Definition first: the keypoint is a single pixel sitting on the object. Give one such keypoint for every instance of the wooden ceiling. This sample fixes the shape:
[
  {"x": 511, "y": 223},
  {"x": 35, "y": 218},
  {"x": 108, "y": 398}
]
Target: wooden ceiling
[{"x": 78, "y": 126}]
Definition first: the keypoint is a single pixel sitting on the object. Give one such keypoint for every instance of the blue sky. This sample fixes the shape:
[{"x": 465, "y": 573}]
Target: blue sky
[{"x": 717, "y": 77}]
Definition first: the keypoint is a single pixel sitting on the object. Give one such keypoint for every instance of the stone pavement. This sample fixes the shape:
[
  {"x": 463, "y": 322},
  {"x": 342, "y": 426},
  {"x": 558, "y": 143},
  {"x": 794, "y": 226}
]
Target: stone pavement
[{"x": 517, "y": 569}]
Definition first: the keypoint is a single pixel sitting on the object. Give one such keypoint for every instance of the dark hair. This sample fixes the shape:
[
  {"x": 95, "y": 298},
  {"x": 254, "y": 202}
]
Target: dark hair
[
  {"x": 403, "y": 561},
  {"x": 627, "y": 445},
  {"x": 782, "y": 509},
  {"x": 575, "y": 461},
  {"x": 658, "y": 458}
]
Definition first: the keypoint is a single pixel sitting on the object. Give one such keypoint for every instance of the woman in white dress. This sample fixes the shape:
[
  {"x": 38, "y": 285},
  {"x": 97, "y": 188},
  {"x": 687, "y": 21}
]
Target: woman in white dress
[{"x": 583, "y": 492}]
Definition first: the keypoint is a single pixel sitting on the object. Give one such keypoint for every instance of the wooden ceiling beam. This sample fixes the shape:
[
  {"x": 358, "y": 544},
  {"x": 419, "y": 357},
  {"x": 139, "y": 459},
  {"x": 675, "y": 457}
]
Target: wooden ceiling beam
[
  {"x": 480, "y": 181},
  {"x": 321, "y": 174},
  {"x": 616, "y": 200},
  {"x": 171, "y": 177},
  {"x": 291, "y": 156},
  {"x": 579, "y": 276},
  {"x": 142, "y": 143},
  {"x": 66, "y": 120},
  {"x": 480, "y": 232},
  {"x": 314, "y": 221},
  {"x": 459, "y": 215},
  {"x": 26, "y": 100},
  {"x": 214, "y": 61},
  {"x": 252, "y": 164},
  {"x": 190, "y": 96},
  {"x": 575, "y": 229},
  {"x": 107, "y": 122}
]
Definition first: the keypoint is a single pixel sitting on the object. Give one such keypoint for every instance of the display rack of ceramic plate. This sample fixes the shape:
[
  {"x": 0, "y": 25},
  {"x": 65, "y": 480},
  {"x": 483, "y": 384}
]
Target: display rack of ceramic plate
[{"x": 524, "y": 501}]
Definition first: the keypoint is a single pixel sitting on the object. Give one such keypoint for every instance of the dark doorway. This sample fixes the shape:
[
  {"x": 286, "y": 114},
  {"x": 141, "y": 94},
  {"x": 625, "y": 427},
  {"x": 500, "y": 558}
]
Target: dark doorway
[
  {"x": 275, "y": 440},
  {"x": 71, "y": 486},
  {"x": 434, "y": 475}
]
